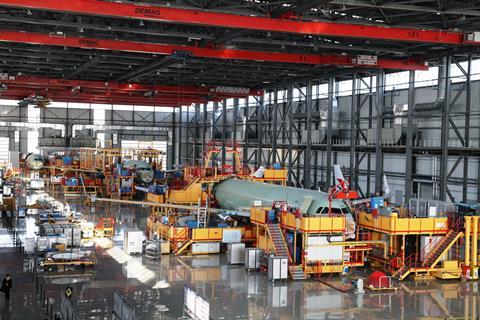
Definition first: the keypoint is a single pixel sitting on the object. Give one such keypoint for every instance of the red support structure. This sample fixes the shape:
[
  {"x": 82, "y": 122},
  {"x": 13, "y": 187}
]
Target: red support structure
[
  {"x": 236, "y": 21},
  {"x": 67, "y": 96},
  {"x": 113, "y": 92},
  {"x": 235, "y": 54},
  {"x": 41, "y": 82}
]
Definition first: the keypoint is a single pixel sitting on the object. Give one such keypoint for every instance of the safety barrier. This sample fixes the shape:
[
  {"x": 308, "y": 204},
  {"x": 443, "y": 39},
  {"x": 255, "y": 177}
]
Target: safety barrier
[
  {"x": 313, "y": 224},
  {"x": 216, "y": 234},
  {"x": 258, "y": 214},
  {"x": 394, "y": 225}
]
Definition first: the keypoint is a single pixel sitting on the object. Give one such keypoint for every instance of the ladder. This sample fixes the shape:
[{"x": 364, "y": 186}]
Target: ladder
[{"x": 202, "y": 214}]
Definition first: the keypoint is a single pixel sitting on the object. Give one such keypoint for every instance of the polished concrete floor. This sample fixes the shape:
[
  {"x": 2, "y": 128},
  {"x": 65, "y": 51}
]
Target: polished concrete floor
[{"x": 231, "y": 292}]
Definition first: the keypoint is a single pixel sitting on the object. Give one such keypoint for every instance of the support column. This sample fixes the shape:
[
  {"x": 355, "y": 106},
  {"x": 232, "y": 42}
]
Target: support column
[
  {"x": 468, "y": 105},
  {"x": 12, "y": 146},
  {"x": 234, "y": 129},
  {"x": 370, "y": 126},
  {"x": 260, "y": 110},
  {"x": 187, "y": 137},
  {"x": 204, "y": 129},
  {"x": 307, "y": 155},
  {"x": 474, "y": 243},
  {"x": 356, "y": 118},
  {"x": 289, "y": 102},
  {"x": 245, "y": 134},
  {"x": 275, "y": 126},
  {"x": 331, "y": 88},
  {"x": 69, "y": 133},
  {"x": 467, "y": 240},
  {"x": 173, "y": 140},
  {"x": 378, "y": 143},
  {"x": 353, "y": 142},
  {"x": 197, "y": 135},
  {"x": 478, "y": 179},
  {"x": 409, "y": 142},
  {"x": 180, "y": 129},
  {"x": 224, "y": 133},
  {"x": 445, "y": 133}
]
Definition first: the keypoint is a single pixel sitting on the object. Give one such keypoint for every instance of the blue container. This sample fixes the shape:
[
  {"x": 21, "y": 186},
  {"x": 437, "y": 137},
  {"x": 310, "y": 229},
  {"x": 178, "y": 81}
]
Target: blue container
[
  {"x": 161, "y": 189},
  {"x": 192, "y": 224},
  {"x": 67, "y": 160},
  {"x": 298, "y": 256},
  {"x": 271, "y": 215},
  {"x": 177, "y": 174},
  {"x": 159, "y": 174},
  {"x": 71, "y": 182},
  {"x": 376, "y": 202},
  {"x": 277, "y": 166},
  {"x": 290, "y": 238}
]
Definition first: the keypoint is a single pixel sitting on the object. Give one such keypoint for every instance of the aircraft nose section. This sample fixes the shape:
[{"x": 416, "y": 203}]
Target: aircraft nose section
[{"x": 147, "y": 176}]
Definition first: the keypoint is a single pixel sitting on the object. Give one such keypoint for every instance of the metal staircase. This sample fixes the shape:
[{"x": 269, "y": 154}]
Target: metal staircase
[
  {"x": 281, "y": 249},
  {"x": 183, "y": 246},
  {"x": 296, "y": 272},
  {"x": 432, "y": 253},
  {"x": 279, "y": 245}
]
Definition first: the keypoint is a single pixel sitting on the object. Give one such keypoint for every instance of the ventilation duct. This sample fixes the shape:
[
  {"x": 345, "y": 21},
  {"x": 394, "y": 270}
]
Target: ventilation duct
[
  {"x": 442, "y": 91},
  {"x": 112, "y": 128}
]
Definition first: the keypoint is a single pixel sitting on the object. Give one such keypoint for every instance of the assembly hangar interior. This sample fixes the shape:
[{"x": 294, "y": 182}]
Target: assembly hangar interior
[{"x": 253, "y": 159}]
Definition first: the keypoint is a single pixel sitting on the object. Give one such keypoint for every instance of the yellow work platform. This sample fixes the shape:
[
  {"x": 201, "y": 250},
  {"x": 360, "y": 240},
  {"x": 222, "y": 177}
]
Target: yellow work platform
[
  {"x": 190, "y": 194},
  {"x": 323, "y": 224},
  {"x": 394, "y": 225}
]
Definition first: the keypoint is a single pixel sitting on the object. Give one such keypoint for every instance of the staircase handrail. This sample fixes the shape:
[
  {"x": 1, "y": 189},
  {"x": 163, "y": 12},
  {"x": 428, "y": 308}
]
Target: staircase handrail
[
  {"x": 454, "y": 224},
  {"x": 435, "y": 241}
]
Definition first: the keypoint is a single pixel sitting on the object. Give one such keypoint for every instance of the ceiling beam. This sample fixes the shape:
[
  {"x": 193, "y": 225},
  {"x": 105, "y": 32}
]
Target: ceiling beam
[
  {"x": 147, "y": 68},
  {"x": 90, "y": 63},
  {"x": 236, "y": 21},
  {"x": 408, "y": 7},
  {"x": 300, "y": 7},
  {"x": 103, "y": 27},
  {"x": 193, "y": 51},
  {"x": 303, "y": 6}
]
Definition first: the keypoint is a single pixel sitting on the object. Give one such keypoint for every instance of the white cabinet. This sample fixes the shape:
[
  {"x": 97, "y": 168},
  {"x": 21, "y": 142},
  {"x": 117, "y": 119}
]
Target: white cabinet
[
  {"x": 236, "y": 253},
  {"x": 205, "y": 247},
  {"x": 277, "y": 268},
  {"x": 133, "y": 241},
  {"x": 252, "y": 258}
]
